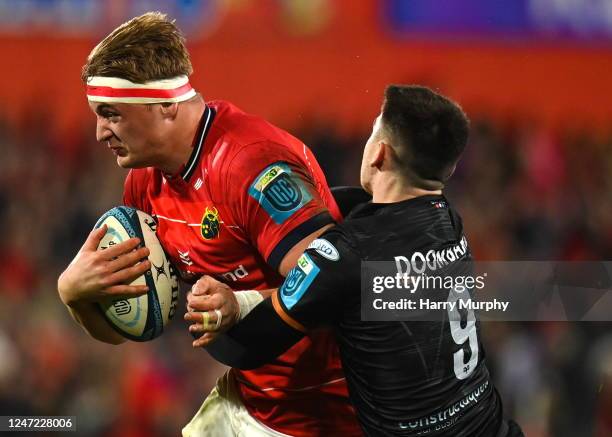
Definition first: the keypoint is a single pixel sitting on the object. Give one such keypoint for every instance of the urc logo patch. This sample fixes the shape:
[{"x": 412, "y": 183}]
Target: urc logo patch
[{"x": 279, "y": 191}]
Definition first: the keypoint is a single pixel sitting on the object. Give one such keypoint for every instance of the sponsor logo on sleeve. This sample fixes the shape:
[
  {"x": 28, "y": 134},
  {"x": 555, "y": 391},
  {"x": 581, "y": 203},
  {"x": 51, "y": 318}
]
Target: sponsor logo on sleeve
[
  {"x": 298, "y": 280},
  {"x": 325, "y": 249},
  {"x": 279, "y": 191}
]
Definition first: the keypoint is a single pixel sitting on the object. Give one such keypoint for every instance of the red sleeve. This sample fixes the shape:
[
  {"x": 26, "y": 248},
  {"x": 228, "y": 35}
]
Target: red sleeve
[
  {"x": 274, "y": 198},
  {"x": 135, "y": 190}
]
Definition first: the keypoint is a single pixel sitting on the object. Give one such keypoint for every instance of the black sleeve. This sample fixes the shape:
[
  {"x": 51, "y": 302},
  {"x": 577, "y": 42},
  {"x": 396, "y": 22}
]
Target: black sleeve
[
  {"x": 296, "y": 235},
  {"x": 326, "y": 277},
  {"x": 247, "y": 345}
]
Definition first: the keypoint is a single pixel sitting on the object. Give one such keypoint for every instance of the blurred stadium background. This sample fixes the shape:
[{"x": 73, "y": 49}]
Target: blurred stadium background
[{"x": 533, "y": 75}]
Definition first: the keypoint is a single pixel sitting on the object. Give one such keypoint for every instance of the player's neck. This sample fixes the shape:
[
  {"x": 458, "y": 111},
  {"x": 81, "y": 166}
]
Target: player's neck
[
  {"x": 180, "y": 143},
  {"x": 391, "y": 190}
]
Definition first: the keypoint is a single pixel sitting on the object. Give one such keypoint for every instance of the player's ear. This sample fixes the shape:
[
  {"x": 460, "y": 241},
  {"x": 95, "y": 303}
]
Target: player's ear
[
  {"x": 169, "y": 110},
  {"x": 378, "y": 157}
]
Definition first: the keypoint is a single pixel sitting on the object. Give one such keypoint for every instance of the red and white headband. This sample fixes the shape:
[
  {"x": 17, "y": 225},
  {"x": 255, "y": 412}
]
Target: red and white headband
[{"x": 117, "y": 90}]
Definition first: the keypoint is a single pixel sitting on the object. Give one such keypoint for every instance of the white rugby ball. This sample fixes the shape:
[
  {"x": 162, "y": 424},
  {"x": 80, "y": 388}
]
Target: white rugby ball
[{"x": 144, "y": 317}]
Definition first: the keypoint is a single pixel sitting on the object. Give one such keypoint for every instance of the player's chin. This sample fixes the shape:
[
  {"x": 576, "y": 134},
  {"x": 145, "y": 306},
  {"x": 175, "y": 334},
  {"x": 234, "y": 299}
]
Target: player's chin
[{"x": 126, "y": 161}]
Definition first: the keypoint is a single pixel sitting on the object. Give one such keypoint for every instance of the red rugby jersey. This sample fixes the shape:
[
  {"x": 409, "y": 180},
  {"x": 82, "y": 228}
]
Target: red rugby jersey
[{"x": 249, "y": 192}]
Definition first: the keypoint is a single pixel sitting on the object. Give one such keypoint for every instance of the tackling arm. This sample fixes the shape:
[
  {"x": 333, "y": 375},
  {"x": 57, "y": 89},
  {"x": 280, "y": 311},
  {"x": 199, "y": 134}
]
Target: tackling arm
[
  {"x": 247, "y": 345},
  {"x": 313, "y": 295}
]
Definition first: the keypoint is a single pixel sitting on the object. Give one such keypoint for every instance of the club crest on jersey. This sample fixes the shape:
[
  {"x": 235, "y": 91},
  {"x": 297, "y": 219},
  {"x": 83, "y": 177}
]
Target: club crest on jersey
[
  {"x": 279, "y": 191},
  {"x": 211, "y": 224},
  {"x": 298, "y": 280}
]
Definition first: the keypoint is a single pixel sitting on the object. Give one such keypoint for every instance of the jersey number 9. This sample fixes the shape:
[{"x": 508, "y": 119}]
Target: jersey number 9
[{"x": 462, "y": 335}]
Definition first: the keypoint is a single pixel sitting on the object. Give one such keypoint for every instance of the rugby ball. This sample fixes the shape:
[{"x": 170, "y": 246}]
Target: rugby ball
[{"x": 144, "y": 317}]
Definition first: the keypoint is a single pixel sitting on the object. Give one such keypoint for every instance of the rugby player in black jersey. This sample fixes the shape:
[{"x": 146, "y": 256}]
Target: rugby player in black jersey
[{"x": 404, "y": 378}]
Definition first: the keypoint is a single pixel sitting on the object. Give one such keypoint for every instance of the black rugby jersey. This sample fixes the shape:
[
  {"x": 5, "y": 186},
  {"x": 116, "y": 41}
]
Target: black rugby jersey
[{"x": 407, "y": 378}]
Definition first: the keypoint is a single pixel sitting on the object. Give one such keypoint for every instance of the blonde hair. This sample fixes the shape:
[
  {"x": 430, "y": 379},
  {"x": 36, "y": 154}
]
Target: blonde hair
[{"x": 148, "y": 47}]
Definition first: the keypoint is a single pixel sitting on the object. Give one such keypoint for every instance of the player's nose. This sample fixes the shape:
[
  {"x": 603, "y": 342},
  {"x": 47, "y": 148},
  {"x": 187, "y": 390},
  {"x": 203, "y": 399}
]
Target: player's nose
[{"x": 103, "y": 132}]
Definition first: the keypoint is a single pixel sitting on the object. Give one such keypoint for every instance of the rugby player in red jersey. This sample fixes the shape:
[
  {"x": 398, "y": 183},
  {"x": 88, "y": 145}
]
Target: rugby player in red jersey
[{"x": 234, "y": 197}]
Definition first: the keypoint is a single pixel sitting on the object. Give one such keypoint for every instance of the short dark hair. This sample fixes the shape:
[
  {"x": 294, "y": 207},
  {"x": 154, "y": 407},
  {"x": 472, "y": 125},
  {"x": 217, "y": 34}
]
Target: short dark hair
[{"x": 429, "y": 130}]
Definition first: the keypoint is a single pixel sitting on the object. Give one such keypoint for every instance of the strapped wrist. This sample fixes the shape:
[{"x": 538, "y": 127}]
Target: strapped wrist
[{"x": 247, "y": 300}]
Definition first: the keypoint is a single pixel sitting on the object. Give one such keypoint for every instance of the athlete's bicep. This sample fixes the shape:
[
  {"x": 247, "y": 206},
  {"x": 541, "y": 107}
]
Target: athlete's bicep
[
  {"x": 285, "y": 210},
  {"x": 291, "y": 257},
  {"x": 278, "y": 201},
  {"x": 314, "y": 290}
]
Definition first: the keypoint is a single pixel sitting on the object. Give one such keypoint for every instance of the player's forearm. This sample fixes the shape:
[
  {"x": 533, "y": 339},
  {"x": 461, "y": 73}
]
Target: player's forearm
[
  {"x": 249, "y": 299},
  {"x": 247, "y": 345},
  {"x": 88, "y": 316}
]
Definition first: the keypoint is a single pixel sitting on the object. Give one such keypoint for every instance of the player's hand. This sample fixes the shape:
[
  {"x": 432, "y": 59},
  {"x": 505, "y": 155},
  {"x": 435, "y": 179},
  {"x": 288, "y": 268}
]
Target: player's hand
[
  {"x": 207, "y": 300},
  {"x": 94, "y": 273}
]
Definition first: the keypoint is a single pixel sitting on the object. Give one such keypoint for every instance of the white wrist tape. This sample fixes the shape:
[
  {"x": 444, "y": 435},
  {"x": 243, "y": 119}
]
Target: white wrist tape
[{"x": 247, "y": 300}]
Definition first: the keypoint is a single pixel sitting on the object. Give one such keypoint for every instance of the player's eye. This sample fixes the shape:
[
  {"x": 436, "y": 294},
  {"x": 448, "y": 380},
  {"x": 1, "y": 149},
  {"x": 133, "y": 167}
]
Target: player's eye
[{"x": 110, "y": 116}]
